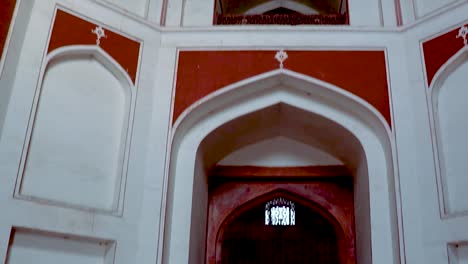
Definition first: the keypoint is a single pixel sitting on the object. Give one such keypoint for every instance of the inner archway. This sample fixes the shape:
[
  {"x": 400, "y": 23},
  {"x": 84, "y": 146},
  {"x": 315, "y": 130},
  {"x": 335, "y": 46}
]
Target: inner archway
[{"x": 254, "y": 233}]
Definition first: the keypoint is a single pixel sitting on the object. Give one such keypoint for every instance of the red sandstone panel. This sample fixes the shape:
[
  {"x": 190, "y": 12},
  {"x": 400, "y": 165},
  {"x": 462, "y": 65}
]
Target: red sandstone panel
[
  {"x": 439, "y": 50},
  {"x": 7, "y": 8},
  {"x": 71, "y": 30},
  {"x": 200, "y": 73},
  {"x": 362, "y": 73}
]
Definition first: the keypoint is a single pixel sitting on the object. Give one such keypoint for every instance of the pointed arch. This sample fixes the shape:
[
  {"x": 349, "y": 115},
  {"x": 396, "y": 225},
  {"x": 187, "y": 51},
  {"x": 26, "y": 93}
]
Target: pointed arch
[
  {"x": 342, "y": 231},
  {"x": 74, "y": 51},
  {"x": 363, "y": 136},
  {"x": 288, "y": 4},
  {"x": 296, "y": 81},
  {"x": 446, "y": 127},
  {"x": 79, "y": 132}
]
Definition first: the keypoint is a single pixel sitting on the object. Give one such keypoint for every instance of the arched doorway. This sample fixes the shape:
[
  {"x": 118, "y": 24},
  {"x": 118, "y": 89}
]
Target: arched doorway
[
  {"x": 250, "y": 238},
  {"x": 281, "y": 219}
]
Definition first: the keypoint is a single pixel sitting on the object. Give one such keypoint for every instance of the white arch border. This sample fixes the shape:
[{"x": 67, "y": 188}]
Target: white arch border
[
  {"x": 432, "y": 101},
  {"x": 271, "y": 5},
  {"x": 306, "y": 93},
  {"x": 70, "y": 53}
]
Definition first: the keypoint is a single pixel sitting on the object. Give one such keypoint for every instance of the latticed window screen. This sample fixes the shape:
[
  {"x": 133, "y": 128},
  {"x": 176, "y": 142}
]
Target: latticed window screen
[
  {"x": 280, "y": 211},
  {"x": 263, "y": 235}
]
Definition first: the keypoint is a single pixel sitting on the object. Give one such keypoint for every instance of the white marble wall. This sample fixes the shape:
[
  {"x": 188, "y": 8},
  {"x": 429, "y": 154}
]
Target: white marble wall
[
  {"x": 451, "y": 126},
  {"x": 140, "y": 200}
]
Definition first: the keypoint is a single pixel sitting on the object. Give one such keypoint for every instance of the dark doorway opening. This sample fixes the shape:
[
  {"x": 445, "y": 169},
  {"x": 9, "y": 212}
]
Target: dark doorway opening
[
  {"x": 247, "y": 239},
  {"x": 280, "y": 215}
]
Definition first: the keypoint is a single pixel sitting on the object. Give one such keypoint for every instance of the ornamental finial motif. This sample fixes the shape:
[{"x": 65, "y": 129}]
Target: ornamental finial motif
[
  {"x": 462, "y": 33},
  {"x": 281, "y": 56},
  {"x": 100, "y": 33}
]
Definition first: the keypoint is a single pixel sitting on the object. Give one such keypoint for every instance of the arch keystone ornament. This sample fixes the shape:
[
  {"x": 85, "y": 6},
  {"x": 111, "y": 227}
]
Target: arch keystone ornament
[
  {"x": 123, "y": 49},
  {"x": 281, "y": 56},
  {"x": 100, "y": 33},
  {"x": 462, "y": 34}
]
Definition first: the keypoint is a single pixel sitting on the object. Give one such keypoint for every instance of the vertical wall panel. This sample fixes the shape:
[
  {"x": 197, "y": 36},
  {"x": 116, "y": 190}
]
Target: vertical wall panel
[
  {"x": 77, "y": 144},
  {"x": 452, "y": 129}
]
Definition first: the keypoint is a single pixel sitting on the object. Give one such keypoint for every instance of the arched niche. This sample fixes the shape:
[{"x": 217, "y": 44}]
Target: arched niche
[
  {"x": 260, "y": 7},
  {"x": 283, "y": 12},
  {"x": 287, "y": 4},
  {"x": 448, "y": 94},
  {"x": 76, "y": 148},
  {"x": 313, "y": 112}
]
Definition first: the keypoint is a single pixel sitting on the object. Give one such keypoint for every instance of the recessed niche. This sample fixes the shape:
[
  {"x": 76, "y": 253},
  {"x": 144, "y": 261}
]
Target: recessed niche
[
  {"x": 452, "y": 128},
  {"x": 27, "y": 246},
  {"x": 78, "y": 135},
  {"x": 458, "y": 253},
  {"x": 282, "y": 12}
]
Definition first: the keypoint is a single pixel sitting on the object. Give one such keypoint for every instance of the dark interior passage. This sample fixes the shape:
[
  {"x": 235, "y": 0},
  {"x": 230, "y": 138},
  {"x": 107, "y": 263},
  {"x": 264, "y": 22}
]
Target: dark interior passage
[{"x": 247, "y": 239}]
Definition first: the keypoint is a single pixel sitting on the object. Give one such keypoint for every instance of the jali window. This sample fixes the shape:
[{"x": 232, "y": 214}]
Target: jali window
[{"x": 280, "y": 212}]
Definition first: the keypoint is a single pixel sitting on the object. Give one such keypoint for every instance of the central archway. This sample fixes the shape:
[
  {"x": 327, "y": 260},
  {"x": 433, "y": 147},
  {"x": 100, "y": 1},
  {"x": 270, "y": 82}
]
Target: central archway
[
  {"x": 315, "y": 113},
  {"x": 313, "y": 237},
  {"x": 246, "y": 206}
]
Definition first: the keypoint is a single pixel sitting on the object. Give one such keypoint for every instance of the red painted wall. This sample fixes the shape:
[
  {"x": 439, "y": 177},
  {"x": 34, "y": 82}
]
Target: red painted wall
[
  {"x": 7, "y": 8},
  {"x": 362, "y": 73},
  {"x": 71, "y": 30},
  {"x": 439, "y": 50}
]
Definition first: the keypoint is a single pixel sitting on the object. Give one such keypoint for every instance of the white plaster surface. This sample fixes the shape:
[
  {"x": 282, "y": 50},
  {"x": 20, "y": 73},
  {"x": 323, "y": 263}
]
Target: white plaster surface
[
  {"x": 198, "y": 13},
  {"x": 279, "y": 152},
  {"x": 137, "y": 7},
  {"x": 82, "y": 111},
  {"x": 365, "y": 13},
  {"x": 424, "y": 7},
  {"x": 451, "y": 109}
]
